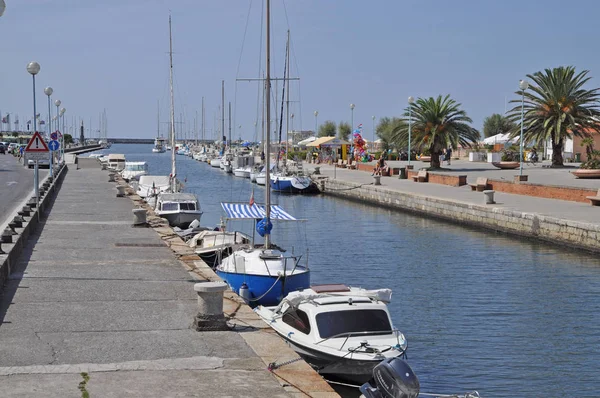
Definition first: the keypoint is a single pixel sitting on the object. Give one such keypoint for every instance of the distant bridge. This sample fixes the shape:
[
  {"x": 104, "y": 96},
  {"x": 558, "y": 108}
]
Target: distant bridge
[{"x": 144, "y": 141}]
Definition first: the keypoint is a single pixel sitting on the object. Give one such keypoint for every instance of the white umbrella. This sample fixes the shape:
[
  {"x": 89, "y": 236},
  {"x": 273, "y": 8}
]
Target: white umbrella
[{"x": 307, "y": 141}]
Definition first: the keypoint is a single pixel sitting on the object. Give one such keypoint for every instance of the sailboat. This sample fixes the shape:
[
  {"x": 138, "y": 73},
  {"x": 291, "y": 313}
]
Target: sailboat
[
  {"x": 286, "y": 179},
  {"x": 263, "y": 275},
  {"x": 179, "y": 208},
  {"x": 159, "y": 142}
]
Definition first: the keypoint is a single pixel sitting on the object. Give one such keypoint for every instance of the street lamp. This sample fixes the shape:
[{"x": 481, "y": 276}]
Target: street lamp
[
  {"x": 61, "y": 134},
  {"x": 351, "y": 128},
  {"x": 373, "y": 142},
  {"x": 34, "y": 68},
  {"x": 316, "y": 114},
  {"x": 411, "y": 100},
  {"x": 48, "y": 91},
  {"x": 523, "y": 85}
]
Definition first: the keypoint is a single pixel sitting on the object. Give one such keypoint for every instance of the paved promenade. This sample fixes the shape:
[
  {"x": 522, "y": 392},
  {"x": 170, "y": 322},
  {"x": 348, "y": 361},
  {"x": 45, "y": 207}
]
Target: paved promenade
[
  {"x": 92, "y": 294},
  {"x": 567, "y": 210}
]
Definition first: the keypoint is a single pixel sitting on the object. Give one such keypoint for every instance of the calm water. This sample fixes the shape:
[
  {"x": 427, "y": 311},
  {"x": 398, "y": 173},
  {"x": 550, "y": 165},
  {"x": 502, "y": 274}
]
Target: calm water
[{"x": 505, "y": 316}]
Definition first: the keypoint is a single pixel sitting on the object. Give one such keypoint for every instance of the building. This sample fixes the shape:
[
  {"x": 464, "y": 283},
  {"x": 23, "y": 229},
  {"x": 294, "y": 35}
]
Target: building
[{"x": 299, "y": 135}]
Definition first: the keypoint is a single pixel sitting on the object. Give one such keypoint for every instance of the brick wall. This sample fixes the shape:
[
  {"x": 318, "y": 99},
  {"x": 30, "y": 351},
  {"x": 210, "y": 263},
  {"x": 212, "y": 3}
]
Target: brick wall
[{"x": 542, "y": 191}]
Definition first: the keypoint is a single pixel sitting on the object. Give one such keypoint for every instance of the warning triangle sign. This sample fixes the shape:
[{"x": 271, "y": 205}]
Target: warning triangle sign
[{"x": 36, "y": 144}]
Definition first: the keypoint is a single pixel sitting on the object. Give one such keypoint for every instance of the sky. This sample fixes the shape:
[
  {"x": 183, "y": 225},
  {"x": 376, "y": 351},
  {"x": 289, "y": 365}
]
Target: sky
[{"x": 113, "y": 55}]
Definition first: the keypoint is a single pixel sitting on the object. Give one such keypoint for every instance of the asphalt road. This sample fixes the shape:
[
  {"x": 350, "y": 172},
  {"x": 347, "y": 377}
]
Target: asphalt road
[{"x": 16, "y": 183}]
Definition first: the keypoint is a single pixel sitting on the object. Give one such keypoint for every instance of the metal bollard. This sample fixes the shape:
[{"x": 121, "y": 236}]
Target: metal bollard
[
  {"x": 139, "y": 217},
  {"x": 489, "y": 197},
  {"x": 376, "y": 180},
  {"x": 18, "y": 220},
  {"x": 317, "y": 170},
  {"x": 120, "y": 191},
  {"x": 210, "y": 306},
  {"x": 1, "y": 251},
  {"x": 6, "y": 236},
  {"x": 32, "y": 203},
  {"x": 25, "y": 211},
  {"x": 103, "y": 165},
  {"x": 11, "y": 227},
  {"x": 111, "y": 177}
]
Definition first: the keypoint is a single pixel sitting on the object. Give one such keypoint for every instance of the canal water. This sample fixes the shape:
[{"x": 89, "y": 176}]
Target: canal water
[{"x": 480, "y": 310}]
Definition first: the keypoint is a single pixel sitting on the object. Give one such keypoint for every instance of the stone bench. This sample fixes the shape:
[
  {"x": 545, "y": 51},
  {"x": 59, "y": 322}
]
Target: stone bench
[
  {"x": 480, "y": 184},
  {"x": 421, "y": 176},
  {"x": 595, "y": 200}
]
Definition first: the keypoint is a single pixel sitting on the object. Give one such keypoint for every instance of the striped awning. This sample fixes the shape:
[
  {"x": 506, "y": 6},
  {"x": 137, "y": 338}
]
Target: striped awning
[{"x": 245, "y": 211}]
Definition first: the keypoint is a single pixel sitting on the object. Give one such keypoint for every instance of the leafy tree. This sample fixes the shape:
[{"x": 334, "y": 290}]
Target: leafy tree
[
  {"x": 344, "y": 131},
  {"x": 497, "y": 124},
  {"x": 1, "y": 135},
  {"x": 327, "y": 129},
  {"x": 68, "y": 139},
  {"x": 15, "y": 134},
  {"x": 557, "y": 107},
  {"x": 385, "y": 131},
  {"x": 438, "y": 123}
]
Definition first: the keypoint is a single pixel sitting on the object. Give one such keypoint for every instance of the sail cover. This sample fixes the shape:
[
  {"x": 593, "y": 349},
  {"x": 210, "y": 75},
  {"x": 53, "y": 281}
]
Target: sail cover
[{"x": 247, "y": 211}]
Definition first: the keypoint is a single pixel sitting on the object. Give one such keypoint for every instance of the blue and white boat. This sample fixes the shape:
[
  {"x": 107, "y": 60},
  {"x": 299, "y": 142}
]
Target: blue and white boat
[
  {"x": 294, "y": 183},
  {"x": 262, "y": 274}
]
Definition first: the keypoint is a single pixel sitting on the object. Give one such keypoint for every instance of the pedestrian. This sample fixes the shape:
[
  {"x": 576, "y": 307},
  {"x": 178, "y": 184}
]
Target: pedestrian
[
  {"x": 21, "y": 149},
  {"x": 448, "y": 155}
]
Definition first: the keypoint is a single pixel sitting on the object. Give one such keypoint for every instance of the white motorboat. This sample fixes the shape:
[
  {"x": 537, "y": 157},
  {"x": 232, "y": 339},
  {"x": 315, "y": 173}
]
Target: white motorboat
[
  {"x": 180, "y": 209},
  {"x": 243, "y": 172},
  {"x": 344, "y": 332},
  {"x": 215, "y": 162},
  {"x": 134, "y": 170},
  {"x": 116, "y": 161},
  {"x": 261, "y": 178},
  {"x": 214, "y": 246},
  {"x": 253, "y": 173},
  {"x": 149, "y": 186}
]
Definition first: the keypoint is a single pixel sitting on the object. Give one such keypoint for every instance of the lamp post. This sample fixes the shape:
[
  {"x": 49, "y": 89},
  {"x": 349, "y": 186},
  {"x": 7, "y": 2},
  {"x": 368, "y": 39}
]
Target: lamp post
[
  {"x": 411, "y": 100},
  {"x": 373, "y": 141},
  {"x": 351, "y": 128},
  {"x": 34, "y": 68},
  {"x": 62, "y": 136},
  {"x": 316, "y": 114},
  {"x": 523, "y": 85},
  {"x": 48, "y": 91}
]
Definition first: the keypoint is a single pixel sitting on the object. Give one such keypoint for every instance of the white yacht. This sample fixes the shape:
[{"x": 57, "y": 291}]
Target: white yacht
[
  {"x": 134, "y": 170},
  {"x": 149, "y": 186},
  {"x": 180, "y": 209}
]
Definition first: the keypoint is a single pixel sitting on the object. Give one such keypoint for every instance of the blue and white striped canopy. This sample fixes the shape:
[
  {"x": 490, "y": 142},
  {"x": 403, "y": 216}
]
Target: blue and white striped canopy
[{"x": 245, "y": 211}]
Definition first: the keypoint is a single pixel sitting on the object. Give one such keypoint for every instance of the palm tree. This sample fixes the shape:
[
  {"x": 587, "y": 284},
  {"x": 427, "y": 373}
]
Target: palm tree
[
  {"x": 437, "y": 123},
  {"x": 556, "y": 107},
  {"x": 497, "y": 124},
  {"x": 385, "y": 132}
]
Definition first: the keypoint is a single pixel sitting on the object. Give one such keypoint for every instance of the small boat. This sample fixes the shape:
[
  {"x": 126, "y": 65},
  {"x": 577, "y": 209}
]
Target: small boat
[
  {"x": 180, "y": 209},
  {"x": 261, "y": 178},
  {"x": 293, "y": 184},
  {"x": 152, "y": 185},
  {"x": 253, "y": 173},
  {"x": 343, "y": 332},
  {"x": 134, "y": 170},
  {"x": 215, "y": 162},
  {"x": 116, "y": 161},
  {"x": 243, "y": 172},
  {"x": 213, "y": 246}
]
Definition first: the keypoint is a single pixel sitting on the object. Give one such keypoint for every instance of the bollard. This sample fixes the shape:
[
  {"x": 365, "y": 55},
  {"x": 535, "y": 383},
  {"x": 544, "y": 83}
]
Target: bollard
[
  {"x": 6, "y": 236},
  {"x": 111, "y": 177},
  {"x": 376, "y": 180},
  {"x": 139, "y": 217},
  {"x": 11, "y": 227},
  {"x": 32, "y": 203},
  {"x": 317, "y": 170},
  {"x": 25, "y": 211},
  {"x": 403, "y": 174},
  {"x": 103, "y": 166},
  {"x": 1, "y": 251},
  {"x": 18, "y": 220},
  {"x": 210, "y": 306},
  {"x": 489, "y": 196},
  {"x": 120, "y": 191}
]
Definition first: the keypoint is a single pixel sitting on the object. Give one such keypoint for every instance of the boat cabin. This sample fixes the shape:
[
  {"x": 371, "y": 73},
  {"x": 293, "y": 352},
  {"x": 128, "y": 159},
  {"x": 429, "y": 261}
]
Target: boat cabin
[
  {"x": 177, "y": 202},
  {"x": 116, "y": 161},
  {"x": 134, "y": 170}
]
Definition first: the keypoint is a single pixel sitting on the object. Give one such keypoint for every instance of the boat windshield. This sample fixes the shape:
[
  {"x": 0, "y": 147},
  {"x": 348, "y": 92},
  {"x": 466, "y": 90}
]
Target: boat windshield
[
  {"x": 134, "y": 167},
  {"x": 187, "y": 206},
  {"x": 356, "y": 321},
  {"x": 169, "y": 207}
]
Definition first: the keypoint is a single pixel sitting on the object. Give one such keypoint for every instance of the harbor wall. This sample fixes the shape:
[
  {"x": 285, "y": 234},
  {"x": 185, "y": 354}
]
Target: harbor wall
[{"x": 550, "y": 229}]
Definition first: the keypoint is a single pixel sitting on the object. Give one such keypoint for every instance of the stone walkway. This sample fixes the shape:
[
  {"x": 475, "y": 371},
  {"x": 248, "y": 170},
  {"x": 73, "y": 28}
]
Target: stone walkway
[
  {"x": 92, "y": 294},
  {"x": 567, "y": 210}
]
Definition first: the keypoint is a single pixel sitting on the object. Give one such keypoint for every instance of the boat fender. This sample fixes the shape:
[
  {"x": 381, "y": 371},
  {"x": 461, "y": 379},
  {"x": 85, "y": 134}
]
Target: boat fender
[
  {"x": 289, "y": 335},
  {"x": 245, "y": 292}
]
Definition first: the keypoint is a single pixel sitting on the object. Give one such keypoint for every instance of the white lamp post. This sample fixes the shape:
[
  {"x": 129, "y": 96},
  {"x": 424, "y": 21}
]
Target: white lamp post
[
  {"x": 523, "y": 85},
  {"x": 411, "y": 100},
  {"x": 316, "y": 114},
  {"x": 351, "y": 129},
  {"x": 61, "y": 134},
  {"x": 48, "y": 91},
  {"x": 34, "y": 68}
]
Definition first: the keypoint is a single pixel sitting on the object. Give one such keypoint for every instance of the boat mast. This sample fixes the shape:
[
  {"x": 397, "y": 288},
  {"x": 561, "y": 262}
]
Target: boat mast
[
  {"x": 268, "y": 126},
  {"x": 229, "y": 139},
  {"x": 173, "y": 168},
  {"x": 196, "y": 127},
  {"x": 203, "y": 120},
  {"x": 287, "y": 105},
  {"x": 223, "y": 110},
  {"x": 158, "y": 119}
]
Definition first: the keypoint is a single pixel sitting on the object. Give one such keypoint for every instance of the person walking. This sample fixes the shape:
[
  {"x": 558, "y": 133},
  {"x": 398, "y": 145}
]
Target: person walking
[{"x": 448, "y": 155}]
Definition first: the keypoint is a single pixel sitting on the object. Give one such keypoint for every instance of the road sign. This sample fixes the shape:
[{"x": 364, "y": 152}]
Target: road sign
[
  {"x": 53, "y": 136},
  {"x": 36, "y": 144},
  {"x": 54, "y": 145},
  {"x": 37, "y": 155}
]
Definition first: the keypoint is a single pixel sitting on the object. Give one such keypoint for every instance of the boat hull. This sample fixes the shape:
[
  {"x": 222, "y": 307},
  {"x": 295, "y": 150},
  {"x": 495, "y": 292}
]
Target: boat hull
[
  {"x": 294, "y": 185},
  {"x": 261, "y": 180},
  {"x": 264, "y": 289},
  {"x": 181, "y": 219}
]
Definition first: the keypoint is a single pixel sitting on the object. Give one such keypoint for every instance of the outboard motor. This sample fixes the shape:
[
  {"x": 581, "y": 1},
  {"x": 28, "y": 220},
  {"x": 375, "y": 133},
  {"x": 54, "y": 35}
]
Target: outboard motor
[{"x": 392, "y": 378}]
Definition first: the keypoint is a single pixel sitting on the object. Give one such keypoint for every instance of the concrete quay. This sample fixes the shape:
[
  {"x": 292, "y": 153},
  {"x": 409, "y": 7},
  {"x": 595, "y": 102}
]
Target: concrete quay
[
  {"x": 573, "y": 224},
  {"x": 91, "y": 294}
]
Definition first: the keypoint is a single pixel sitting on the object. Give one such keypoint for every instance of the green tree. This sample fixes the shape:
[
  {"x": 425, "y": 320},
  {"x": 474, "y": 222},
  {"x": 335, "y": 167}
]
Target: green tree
[
  {"x": 344, "y": 131},
  {"x": 497, "y": 124},
  {"x": 327, "y": 129},
  {"x": 385, "y": 130},
  {"x": 557, "y": 107},
  {"x": 1, "y": 135},
  {"x": 438, "y": 123},
  {"x": 68, "y": 139},
  {"x": 15, "y": 134}
]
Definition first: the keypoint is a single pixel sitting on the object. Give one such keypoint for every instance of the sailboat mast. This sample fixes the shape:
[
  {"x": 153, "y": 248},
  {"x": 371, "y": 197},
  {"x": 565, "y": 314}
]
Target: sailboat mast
[
  {"x": 223, "y": 109},
  {"x": 196, "y": 127},
  {"x": 158, "y": 119},
  {"x": 173, "y": 168},
  {"x": 287, "y": 94},
  {"x": 229, "y": 139},
  {"x": 268, "y": 124},
  {"x": 203, "y": 120}
]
